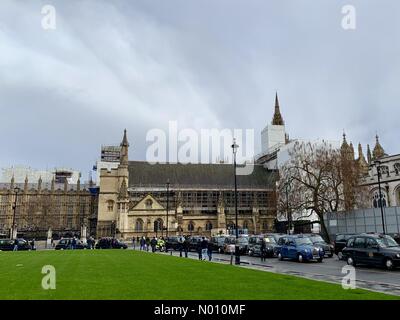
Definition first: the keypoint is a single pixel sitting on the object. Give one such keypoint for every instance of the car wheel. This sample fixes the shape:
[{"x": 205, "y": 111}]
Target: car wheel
[
  {"x": 300, "y": 258},
  {"x": 319, "y": 260},
  {"x": 250, "y": 253},
  {"x": 389, "y": 264},
  {"x": 280, "y": 258},
  {"x": 340, "y": 255},
  {"x": 330, "y": 255},
  {"x": 351, "y": 262}
]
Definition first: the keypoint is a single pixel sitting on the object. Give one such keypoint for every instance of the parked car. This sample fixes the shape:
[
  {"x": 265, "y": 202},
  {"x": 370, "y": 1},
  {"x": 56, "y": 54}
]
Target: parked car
[
  {"x": 372, "y": 249},
  {"x": 66, "y": 243},
  {"x": 172, "y": 243},
  {"x": 340, "y": 242},
  {"x": 318, "y": 241},
  {"x": 299, "y": 248},
  {"x": 254, "y": 247},
  {"x": 110, "y": 243},
  {"x": 8, "y": 245},
  {"x": 277, "y": 236},
  {"x": 218, "y": 243},
  {"x": 230, "y": 243}
]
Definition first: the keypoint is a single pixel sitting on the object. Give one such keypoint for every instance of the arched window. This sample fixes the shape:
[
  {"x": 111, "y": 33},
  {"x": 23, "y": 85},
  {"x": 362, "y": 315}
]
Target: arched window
[
  {"x": 384, "y": 170},
  {"x": 231, "y": 225},
  {"x": 110, "y": 205},
  {"x": 209, "y": 226},
  {"x": 398, "y": 195},
  {"x": 149, "y": 204},
  {"x": 376, "y": 202},
  {"x": 246, "y": 224},
  {"x": 190, "y": 226},
  {"x": 158, "y": 225},
  {"x": 139, "y": 225},
  {"x": 397, "y": 169}
]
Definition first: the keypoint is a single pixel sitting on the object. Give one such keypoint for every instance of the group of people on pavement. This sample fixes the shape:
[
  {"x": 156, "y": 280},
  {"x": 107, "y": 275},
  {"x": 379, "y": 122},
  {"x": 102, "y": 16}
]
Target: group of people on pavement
[{"x": 204, "y": 246}]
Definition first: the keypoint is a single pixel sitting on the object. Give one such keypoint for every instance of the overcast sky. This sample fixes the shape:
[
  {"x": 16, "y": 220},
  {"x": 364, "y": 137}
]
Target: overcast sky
[{"x": 138, "y": 64}]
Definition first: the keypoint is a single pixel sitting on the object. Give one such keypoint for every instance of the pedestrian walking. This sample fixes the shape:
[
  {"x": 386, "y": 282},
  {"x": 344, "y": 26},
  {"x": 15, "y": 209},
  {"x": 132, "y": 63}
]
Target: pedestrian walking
[
  {"x": 181, "y": 241},
  {"x": 209, "y": 250},
  {"x": 199, "y": 251},
  {"x": 147, "y": 243},
  {"x": 186, "y": 246},
  {"x": 133, "y": 243},
  {"x": 263, "y": 250},
  {"x": 142, "y": 243},
  {"x": 153, "y": 244},
  {"x": 15, "y": 245},
  {"x": 204, "y": 246},
  {"x": 73, "y": 243}
]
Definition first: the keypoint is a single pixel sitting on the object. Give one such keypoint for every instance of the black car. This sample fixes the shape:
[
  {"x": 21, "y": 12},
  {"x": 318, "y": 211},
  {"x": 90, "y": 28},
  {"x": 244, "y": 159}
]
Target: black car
[
  {"x": 372, "y": 249},
  {"x": 319, "y": 242},
  {"x": 230, "y": 242},
  {"x": 110, "y": 243},
  {"x": 172, "y": 243},
  {"x": 8, "y": 245},
  {"x": 340, "y": 242},
  {"x": 66, "y": 244},
  {"x": 218, "y": 243},
  {"x": 254, "y": 247}
]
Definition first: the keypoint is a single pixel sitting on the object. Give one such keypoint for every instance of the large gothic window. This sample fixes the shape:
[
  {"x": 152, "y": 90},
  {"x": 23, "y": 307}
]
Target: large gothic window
[
  {"x": 190, "y": 226},
  {"x": 139, "y": 225},
  {"x": 209, "y": 226},
  {"x": 158, "y": 225},
  {"x": 377, "y": 202}
]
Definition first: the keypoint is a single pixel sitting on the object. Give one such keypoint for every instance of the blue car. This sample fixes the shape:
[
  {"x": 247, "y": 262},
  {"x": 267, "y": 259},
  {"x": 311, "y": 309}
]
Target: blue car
[{"x": 299, "y": 248}]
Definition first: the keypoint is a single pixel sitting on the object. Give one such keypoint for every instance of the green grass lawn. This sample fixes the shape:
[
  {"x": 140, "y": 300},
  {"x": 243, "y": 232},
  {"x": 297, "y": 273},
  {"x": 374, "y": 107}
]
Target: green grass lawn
[{"x": 128, "y": 274}]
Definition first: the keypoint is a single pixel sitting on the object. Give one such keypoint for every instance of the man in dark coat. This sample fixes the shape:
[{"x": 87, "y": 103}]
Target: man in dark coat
[
  {"x": 186, "y": 246},
  {"x": 209, "y": 250},
  {"x": 199, "y": 249},
  {"x": 263, "y": 252},
  {"x": 153, "y": 244}
]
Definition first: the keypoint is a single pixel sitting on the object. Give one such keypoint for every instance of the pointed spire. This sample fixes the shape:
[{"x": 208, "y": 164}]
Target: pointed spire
[
  {"x": 351, "y": 150},
  {"x": 378, "y": 151},
  {"x": 369, "y": 155},
  {"x": 12, "y": 182},
  {"x": 26, "y": 184},
  {"x": 123, "y": 191},
  {"x": 124, "y": 150},
  {"x": 277, "y": 119},
  {"x": 78, "y": 185},
  {"x": 40, "y": 183},
  {"x": 362, "y": 163},
  {"x": 53, "y": 185}
]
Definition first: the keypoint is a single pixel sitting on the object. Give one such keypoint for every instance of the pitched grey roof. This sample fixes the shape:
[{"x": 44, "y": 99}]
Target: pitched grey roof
[{"x": 208, "y": 176}]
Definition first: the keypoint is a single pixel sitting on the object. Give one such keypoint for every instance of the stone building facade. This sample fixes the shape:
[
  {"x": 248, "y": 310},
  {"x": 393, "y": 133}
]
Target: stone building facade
[
  {"x": 133, "y": 199},
  {"x": 64, "y": 208}
]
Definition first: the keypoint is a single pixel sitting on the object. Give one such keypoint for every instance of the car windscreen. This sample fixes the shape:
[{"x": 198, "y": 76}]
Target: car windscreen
[
  {"x": 269, "y": 239},
  {"x": 243, "y": 240},
  {"x": 302, "y": 241},
  {"x": 387, "y": 241},
  {"x": 315, "y": 239}
]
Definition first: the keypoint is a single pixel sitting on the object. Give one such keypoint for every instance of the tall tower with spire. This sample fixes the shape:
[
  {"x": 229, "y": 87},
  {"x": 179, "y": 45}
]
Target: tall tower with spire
[
  {"x": 378, "y": 151},
  {"x": 273, "y": 136}
]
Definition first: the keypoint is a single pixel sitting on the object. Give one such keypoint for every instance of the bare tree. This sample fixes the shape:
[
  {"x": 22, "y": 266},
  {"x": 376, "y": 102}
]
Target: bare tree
[{"x": 321, "y": 179}]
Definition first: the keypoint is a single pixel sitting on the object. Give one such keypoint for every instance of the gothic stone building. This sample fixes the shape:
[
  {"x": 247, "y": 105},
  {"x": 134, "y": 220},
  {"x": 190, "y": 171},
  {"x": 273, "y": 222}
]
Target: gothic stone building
[
  {"x": 133, "y": 199},
  {"x": 63, "y": 207}
]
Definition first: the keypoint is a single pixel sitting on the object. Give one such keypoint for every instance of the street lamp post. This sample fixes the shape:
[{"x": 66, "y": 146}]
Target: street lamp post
[
  {"x": 237, "y": 252},
  {"x": 289, "y": 216},
  {"x": 167, "y": 205},
  {"x": 16, "y": 190},
  {"x": 380, "y": 202}
]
